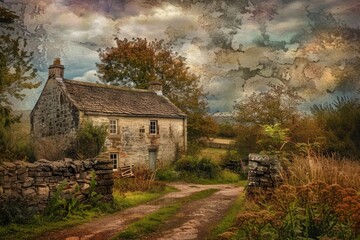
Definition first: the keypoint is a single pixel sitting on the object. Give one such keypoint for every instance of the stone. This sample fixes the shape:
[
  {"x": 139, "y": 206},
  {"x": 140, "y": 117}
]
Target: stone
[
  {"x": 28, "y": 182},
  {"x": 43, "y": 190},
  {"x": 1, "y": 190},
  {"x": 9, "y": 165},
  {"x": 105, "y": 182},
  {"x": 27, "y": 192}
]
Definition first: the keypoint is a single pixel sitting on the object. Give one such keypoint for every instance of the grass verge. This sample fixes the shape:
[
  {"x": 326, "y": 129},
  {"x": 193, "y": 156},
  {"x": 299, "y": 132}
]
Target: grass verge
[
  {"x": 153, "y": 221},
  {"x": 40, "y": 224}
]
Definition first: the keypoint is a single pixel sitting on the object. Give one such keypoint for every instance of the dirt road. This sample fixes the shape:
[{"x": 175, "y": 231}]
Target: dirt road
[{"x": 194, "y": 221}]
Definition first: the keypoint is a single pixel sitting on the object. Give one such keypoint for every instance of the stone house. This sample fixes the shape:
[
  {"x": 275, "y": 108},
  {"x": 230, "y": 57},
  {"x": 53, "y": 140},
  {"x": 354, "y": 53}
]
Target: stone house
[{"x": 144, "y": 127}]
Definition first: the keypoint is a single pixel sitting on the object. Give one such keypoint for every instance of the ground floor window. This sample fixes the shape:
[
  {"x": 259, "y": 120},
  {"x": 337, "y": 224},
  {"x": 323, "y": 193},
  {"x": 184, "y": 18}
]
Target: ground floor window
[{"x": 115, "y": 159}]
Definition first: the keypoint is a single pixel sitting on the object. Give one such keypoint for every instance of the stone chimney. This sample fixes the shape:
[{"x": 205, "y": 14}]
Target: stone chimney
[
  {"x": 156, "y": 87},
  {"x": 56, "y": 70}
]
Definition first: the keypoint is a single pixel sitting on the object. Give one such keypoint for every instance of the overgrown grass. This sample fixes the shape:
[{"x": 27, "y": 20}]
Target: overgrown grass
[
  {"x": 304, "y": 170},
  {"x": 153, "y": 221}
]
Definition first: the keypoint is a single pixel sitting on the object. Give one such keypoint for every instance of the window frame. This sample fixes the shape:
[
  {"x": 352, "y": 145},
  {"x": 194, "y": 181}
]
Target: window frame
[
  {"x": 112, "y": 125},
  {"x": 115, "y": 161},
  {"x": 154, "y": 128}
]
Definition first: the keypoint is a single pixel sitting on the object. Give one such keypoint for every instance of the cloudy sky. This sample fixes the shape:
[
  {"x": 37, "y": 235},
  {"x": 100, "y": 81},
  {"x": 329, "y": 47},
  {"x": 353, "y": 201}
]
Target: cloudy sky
[{"x": 235, "y": 47}]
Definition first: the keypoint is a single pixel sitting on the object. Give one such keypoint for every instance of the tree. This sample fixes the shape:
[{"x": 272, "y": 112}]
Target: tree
[
  {"x": 275, "y": 109},
  {"x": 137, "y": 62},
  {"x": 16, "y": 74},
  {"x": 279, "y": 105}
]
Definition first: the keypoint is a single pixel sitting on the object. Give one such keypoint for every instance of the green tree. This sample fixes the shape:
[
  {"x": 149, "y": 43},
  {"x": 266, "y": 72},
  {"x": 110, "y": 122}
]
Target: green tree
[
  {"x": 137, "y": 62},
  {"x": 16, "y": 74},
  {"x": 278, "y": 105},
  {"x": 259, "y": 113}
]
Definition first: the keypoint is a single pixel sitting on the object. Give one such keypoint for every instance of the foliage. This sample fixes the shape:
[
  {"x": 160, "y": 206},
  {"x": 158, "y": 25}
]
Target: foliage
[
  {"x": 90, "y": 140},
  {"x": 339, "y": 122},
  {"x": 203, "y": 168},
  {"x": 227, "y": 130},
  {"x": 66, "y": 202},
  {"x": 16, "y": 74},
  {"x": 314, "y": 211},
  {"x": 278, "y": 105},
  {"x": 15, "y": 210},
  {"x": 137, "y": 62}
]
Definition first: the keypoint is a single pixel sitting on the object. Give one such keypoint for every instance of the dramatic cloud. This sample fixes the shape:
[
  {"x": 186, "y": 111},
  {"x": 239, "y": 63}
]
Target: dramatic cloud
[{"x": 235, "y": 47}]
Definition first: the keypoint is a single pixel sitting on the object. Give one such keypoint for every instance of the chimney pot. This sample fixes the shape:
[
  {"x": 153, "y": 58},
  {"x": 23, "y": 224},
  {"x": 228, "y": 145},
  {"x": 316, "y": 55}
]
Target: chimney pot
[{"x": 56, "y": 70}]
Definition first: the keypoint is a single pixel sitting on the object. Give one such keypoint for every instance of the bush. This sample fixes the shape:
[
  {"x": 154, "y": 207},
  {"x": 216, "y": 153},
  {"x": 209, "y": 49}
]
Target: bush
[
  {"x": 313, "y": 211},
  {"x": 15, "y": 210},
  {"x": 202, "y": 168}
]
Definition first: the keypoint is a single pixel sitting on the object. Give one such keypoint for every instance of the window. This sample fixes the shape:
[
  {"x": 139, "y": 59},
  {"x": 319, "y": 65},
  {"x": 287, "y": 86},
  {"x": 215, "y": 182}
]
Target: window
[
  {"x": 115, "y": 160},
  {"x": 113, "y": 127},
  {"x": 154, "y": 127}
]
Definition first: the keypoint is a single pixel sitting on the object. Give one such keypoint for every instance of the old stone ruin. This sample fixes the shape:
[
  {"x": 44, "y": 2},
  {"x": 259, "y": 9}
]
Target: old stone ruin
[
  {"x": 36, "y": 182},
  {"x": 264, "y": 173}
]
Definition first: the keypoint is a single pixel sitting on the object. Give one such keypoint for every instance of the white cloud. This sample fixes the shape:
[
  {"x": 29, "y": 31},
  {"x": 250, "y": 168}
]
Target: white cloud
[{"x": 89, "y": 76}]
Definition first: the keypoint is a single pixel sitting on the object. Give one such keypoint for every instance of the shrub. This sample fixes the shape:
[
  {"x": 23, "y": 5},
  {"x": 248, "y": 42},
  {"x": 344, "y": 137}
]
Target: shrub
[
  {"x": 90, "y": 140},
  {"x": 15, "y": 210},
  {"x": 316, "y": 210},
  {"x": 201, "y": 168}
]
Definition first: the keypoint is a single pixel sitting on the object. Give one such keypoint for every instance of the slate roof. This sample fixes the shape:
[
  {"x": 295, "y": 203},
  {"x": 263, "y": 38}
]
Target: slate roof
[{"x": 104, "y": 99}]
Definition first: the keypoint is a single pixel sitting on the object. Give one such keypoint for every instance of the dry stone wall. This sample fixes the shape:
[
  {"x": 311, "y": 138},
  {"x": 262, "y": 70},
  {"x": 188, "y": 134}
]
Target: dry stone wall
[
  {"x": 36, "y": 182},
  {"x": 264, "y": 172}
]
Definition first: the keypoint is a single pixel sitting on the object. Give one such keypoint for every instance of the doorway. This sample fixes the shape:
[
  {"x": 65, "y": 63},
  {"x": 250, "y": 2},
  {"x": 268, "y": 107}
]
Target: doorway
[{"x": 152, "y": 159}]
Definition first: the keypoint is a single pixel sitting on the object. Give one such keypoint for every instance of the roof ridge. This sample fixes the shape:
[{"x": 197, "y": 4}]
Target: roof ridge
[{"x": 107, "y": 86}]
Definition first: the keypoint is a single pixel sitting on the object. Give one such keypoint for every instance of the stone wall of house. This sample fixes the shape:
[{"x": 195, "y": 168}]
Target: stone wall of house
[
  {"x": 36, "y": 182},
  {"x": 133, "y": 140},
  {"x": 53, "y": 114},
  {"x": 264, "y": 172}
]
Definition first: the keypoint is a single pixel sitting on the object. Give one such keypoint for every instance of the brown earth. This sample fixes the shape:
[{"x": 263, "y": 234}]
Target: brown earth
[{"x": 194, "y": 221}]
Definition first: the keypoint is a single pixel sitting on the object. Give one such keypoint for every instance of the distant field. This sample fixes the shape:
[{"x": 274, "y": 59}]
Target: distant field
[{"x": 214, "y": 154}]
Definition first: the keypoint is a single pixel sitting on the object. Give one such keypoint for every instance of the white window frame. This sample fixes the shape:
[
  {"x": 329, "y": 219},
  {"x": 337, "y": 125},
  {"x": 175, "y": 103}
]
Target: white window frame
[
  {"x": 113, "y": 126},
  {"x": 153, "y": 129},
  {"x": 115, "y": 160}
]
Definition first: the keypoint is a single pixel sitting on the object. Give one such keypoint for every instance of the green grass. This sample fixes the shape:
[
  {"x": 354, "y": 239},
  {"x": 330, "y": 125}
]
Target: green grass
[
  {"x": 40, "y": 225},
  {"x": 130, "y": 199},
  {"x": 153, "y": 221},
  {"x": 229, "y": 220},
  {"x": 215, "y": 154}
]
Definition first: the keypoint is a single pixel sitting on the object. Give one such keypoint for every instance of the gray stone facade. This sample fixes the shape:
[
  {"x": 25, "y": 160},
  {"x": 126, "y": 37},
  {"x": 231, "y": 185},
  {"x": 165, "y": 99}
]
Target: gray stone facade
[{"x": 54, "y": 114}]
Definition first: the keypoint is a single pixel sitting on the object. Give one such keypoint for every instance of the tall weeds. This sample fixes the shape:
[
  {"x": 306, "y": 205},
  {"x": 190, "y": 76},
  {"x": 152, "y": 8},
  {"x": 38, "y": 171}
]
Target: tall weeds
[{"x": 330, "y": 170}]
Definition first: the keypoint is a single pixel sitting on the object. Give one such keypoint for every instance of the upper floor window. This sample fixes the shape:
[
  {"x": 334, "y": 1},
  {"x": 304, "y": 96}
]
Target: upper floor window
[
  {"x": 113, "y": 126},
  {"x": 154, "y": 129}
]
